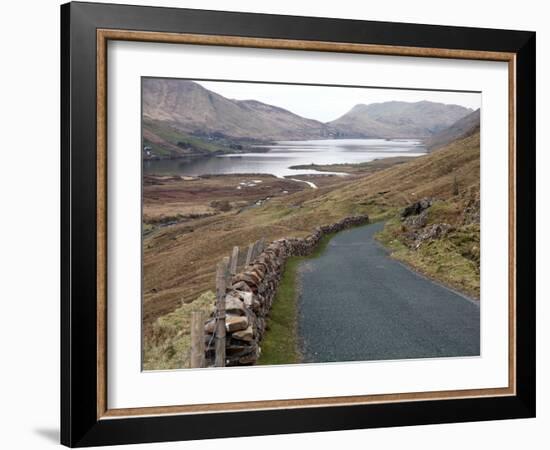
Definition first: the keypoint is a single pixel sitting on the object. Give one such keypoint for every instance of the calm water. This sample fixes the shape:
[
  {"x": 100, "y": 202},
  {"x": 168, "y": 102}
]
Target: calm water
[{"x": 283, "y": 154}]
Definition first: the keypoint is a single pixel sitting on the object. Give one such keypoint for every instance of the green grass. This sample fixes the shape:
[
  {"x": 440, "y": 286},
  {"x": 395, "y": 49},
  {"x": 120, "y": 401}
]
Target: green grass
[
  {"x": 444, "y": 212},
  {"x": 452, "y": 259},
  {"x": 158, "y": 150},
  {"x": 170, "y": 345},
  {"x": 280, "y": 343},
  {"x": 169, "y": 134},
  {"x": 364, "y": 167}
]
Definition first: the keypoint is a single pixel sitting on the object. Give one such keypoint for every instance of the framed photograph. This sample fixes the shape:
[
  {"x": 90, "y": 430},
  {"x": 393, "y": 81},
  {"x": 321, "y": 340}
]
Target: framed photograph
[{"x": 276, "y": 224}]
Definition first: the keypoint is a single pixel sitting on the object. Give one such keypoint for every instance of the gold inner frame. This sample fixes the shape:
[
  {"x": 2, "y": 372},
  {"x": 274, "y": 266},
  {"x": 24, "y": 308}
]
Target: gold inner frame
[{"x": 103, "y": 36}]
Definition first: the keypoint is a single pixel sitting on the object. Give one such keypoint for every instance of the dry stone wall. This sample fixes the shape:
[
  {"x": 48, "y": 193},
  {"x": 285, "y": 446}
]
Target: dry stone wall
[{"x": 251, "y": 292}]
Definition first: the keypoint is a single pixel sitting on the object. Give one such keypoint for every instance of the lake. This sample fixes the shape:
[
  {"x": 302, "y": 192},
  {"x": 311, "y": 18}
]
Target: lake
[{"x": 283, "y": 154}]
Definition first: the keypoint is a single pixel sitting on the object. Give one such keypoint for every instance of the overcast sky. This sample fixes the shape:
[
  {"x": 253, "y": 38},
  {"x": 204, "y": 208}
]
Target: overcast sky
[{"x": 328, "y": 103}]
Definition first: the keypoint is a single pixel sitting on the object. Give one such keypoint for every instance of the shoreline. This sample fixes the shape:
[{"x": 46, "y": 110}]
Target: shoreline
[
  {"x": 338, "y": 169},
  {"x": 264, "y": 147},
  {"x": 215, "y": 154}
]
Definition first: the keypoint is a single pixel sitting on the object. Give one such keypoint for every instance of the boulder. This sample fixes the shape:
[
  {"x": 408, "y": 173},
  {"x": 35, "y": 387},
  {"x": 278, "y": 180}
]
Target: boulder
[
  {"x": 249, "y": 359},
  {"x": 241, "y": 286},
  {"x": 235, "y": 323},
  {"x": 244, "y": 335},
  {"x": 435, "y": 231},
  {"x": 235, "y": 349},
  {"x": 416, "y": 207},
  {"x": 234, "y": 305},
  {"x": 250, "y": 278},
  {"x": 417, "y": 221},
  {"x": 247, "y": 298}
]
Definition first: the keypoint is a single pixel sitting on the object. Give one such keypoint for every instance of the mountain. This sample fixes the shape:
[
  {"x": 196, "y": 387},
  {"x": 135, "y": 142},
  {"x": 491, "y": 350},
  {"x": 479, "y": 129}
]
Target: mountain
[
  {"x": 461, "y": 128},
  {"x": 186, "y": 108},
  {"x": 181, "y": 118},
  {"x": 397, "y": 119}
]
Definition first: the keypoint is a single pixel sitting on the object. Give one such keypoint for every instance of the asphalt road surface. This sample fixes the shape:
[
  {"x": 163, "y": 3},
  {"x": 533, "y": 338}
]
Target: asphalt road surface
[{"x": 357, "y": 304}]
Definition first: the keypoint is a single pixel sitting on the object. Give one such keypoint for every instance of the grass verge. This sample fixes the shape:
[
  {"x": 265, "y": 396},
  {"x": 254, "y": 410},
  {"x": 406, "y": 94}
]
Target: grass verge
[
  {"x": 280, "y": 343},
  {"x": 452, "y": 259},
  {"x": 170, "y": 345}
]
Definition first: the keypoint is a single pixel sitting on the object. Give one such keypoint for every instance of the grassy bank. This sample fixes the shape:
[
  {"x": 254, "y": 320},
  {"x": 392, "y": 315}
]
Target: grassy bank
[
  {"x": 452, "y": 259},
  {"x": 170, "y": 344},
  {"x": 280, "y": 344}
]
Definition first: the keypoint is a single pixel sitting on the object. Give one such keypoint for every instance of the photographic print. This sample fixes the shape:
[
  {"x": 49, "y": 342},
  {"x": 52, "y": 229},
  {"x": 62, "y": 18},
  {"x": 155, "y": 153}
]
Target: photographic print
[
  {"x": 287, "y": 223},
  {"x": 292, "y": 205}
]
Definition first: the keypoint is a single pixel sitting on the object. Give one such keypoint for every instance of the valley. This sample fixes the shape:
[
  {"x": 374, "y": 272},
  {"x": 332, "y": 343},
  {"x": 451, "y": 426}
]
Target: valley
[
  {"x": 179, "y": 260},
  {"x": 220, "y": 173}
]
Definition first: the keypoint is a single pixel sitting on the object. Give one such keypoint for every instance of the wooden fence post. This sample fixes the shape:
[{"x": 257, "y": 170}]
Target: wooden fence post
[
  {"x": 254, "y": 251},
  {"x": 261, "y": 245},
  {"x": 234, "y": 261},
  {"x": 221, "y": 286},
  {"x": 197, "y": 339},
  {"x": 249, "y": 254}
]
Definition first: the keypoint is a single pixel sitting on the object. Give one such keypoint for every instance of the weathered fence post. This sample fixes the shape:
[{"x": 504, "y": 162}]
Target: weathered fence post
[
  {"x": 249, "y": 254},
  {"x": 254, "y": 251},
  {"x": 234, "y": 261},
  {"x": 197, "y": 339},
  {"x": 261, "y": 245},
  {"x": 221, "y": 286}
]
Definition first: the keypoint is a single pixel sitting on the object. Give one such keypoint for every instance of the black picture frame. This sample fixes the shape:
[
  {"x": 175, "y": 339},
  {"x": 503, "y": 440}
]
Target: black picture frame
[{"x": 80, "y": 425}]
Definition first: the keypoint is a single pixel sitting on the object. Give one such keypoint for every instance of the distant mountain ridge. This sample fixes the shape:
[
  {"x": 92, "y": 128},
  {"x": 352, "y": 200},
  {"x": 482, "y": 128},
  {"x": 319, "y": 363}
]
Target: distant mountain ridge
[
  {"x": 397, "y": 119},
  {"x": 181, "y": 117},
  {"x": 194, "y": 109}
]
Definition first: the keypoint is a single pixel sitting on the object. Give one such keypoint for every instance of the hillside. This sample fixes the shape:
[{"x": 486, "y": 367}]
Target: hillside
[
  {"x": 165, "y": 140},
  {"x": 179, "y": 262},
  {"x": 187, "y": 107},
  {"x": 461, "y": 128},
  {"x": 398, "y": 119}
]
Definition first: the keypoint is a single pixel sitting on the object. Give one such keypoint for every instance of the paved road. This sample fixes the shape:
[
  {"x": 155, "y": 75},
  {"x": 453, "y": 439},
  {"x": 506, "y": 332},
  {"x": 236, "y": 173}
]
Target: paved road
[{"x": 358, "y": 304}]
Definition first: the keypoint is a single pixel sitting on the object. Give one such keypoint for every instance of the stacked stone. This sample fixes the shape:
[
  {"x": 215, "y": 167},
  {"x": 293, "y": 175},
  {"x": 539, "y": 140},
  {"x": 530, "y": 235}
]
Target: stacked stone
[{"x": 251, "y": 292}]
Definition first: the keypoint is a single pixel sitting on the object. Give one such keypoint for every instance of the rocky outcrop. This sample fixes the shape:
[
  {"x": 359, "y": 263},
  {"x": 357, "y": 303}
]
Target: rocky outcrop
[
  {"x": 415, "y": 220},
  {"x": 416, "y": 207},
  {"x": 429, "y": 233},
  {"x": 471, "y": 212},
  {"x": 249, "y": 298}
]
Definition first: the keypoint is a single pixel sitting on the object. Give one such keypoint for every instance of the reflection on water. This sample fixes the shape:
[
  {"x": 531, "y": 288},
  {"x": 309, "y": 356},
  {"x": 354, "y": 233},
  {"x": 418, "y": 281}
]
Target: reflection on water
[{"x": 284, "y": 154}]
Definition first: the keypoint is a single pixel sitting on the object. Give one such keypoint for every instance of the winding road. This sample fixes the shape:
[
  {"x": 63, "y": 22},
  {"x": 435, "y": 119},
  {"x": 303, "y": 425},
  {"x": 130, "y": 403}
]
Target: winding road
[{"x": 358, "y": 304}]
